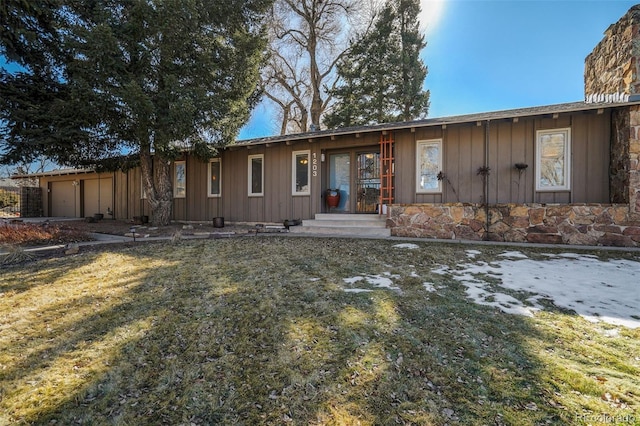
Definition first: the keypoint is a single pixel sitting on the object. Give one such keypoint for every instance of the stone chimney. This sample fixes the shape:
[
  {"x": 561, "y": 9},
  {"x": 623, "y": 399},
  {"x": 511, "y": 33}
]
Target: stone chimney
[
  {"x": 611, "y": 70},
  {"x": 612, "y": 74}
]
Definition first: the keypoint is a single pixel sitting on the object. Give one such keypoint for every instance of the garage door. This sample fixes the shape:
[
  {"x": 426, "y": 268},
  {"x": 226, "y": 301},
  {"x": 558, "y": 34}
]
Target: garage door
[
  {"x": 98, "y": 196},
  {"x": 63, "y": 203}
]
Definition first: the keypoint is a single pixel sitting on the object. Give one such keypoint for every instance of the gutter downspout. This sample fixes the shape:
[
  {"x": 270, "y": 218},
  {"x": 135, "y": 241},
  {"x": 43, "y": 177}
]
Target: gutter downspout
[{"x": 486, "y": 179}]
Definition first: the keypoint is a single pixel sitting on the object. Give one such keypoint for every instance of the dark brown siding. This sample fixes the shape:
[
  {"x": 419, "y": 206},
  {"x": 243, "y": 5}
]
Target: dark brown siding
[
  {"x": 464, "y": 145},
  {"x": 509, "y": 142}
]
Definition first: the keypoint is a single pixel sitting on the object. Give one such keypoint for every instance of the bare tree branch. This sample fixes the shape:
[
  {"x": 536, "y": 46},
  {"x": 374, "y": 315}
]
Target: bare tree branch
[{"x": 308, "y": 38}]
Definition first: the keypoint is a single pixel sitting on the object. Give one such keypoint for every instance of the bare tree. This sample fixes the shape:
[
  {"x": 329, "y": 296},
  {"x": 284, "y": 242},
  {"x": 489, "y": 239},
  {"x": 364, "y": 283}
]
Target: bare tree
[
  {"x": 39, "y": 165},
  {"x": 307, "y": 39}
]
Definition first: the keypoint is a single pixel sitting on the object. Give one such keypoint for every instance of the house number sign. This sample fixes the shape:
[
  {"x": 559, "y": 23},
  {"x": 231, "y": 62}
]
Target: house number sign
[{"x": 314, "y": 165}]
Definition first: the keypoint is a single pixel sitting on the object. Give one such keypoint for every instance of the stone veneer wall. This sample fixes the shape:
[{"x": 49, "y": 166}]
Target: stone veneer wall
[
  {"x": 619, "y": 156},
  {"x": 613, "y": 66},
  {"x": 581, "y": 224},
  {"x": 634, "y": 161}
]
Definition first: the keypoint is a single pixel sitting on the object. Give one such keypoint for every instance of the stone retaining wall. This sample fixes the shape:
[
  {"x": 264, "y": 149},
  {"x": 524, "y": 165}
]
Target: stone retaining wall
[{"x": 581, "y": 224}]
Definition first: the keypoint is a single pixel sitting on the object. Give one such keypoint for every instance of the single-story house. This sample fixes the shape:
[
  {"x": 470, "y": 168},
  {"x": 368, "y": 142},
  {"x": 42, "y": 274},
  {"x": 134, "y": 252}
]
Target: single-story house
[{"x": 565, "y": 173}]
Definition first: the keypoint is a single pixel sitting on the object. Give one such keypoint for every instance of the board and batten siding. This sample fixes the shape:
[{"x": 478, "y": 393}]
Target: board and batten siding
[
  {"x": 235, "y": 204},
  {"x": 463, "y": 148},
  {"x": 509, "y": 143}
]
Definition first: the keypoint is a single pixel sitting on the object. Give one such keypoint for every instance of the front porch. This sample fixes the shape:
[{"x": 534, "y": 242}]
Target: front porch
[{"x": 337, "y": 224}]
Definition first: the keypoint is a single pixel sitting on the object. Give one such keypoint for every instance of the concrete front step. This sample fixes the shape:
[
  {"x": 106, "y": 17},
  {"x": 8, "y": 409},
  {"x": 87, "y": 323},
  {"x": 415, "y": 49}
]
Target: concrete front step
[
  {"x": 336, "y": 217},
  {"x": 344, "y": 224}
]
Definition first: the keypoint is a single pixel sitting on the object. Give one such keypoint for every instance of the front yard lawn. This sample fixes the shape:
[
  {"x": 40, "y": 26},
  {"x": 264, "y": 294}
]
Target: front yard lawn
[{"x": 281, "y": 330}]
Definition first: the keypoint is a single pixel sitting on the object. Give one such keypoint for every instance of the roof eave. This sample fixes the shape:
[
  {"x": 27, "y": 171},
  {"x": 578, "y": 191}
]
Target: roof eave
[{"x": 434, "y": 122}]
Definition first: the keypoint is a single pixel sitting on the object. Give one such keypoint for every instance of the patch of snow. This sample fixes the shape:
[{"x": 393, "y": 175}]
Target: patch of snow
[
  {"x": 313, "y": 280},
  {"x": 379, "y": 281},
  {"x": 357, "y": 290},
  {"x": 441, "y": 270},
  {"x": 514, "y": 255},
  {"x": 472, "y": 253},
  {"x": 407, "y": 246},
  {"x": 612, "y": 333},
  {"x": 607, "y": 291},
  {"x": 429, "y": 287},
  {"x": 414, "y": 274},
  {"x": 383, "y": 282}
]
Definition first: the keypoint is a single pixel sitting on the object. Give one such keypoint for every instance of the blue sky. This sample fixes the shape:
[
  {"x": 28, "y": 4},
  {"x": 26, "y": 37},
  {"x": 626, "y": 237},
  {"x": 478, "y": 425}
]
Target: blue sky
[{"x": 490, "y": 55}]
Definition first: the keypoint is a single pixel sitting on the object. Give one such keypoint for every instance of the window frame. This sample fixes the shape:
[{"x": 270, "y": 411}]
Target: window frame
[
  {"x": 294, "y": 173},
  {"x": 250, "y": 192},
  {"x": 419, "y": 144},
  {"x": 209, "y": 178},
  {"x": 176, "y": 165},
  {"x": 567, "y": 160}
]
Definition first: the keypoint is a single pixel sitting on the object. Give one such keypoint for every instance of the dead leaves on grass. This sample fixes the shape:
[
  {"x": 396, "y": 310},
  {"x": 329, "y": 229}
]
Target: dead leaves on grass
[
  {"x": 28, "y": 234},
  {"x": 242, "y": 334}
]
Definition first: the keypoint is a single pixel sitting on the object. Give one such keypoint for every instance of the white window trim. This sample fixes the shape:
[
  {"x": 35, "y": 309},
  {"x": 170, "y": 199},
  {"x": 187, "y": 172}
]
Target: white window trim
[
  {"x": 249, "y": 175},
  {"x": 419, "y": 143},
  {"x": 294, "y": 170},
  {"x": 567, "y": 160},
  {"x": 175, "y": 179},
  {"x": 209, "y": 194}
]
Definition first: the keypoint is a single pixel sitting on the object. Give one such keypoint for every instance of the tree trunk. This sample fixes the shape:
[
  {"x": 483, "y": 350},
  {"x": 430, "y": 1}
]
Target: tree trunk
[
  {"x": 161, "y": 212},
  {"x": 158, "y": 186},
  {"x": 286, "y": 111},
  {"x": 162, "y": 203},
  {"x": 314, "y": 74}
]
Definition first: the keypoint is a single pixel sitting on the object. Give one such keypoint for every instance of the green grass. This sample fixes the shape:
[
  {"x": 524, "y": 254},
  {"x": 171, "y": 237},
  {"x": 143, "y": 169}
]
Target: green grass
[{"x": 259, "y": 330}]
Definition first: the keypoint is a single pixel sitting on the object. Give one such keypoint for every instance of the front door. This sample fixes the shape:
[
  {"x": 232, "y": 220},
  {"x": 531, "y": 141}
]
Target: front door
[
  {"x": 340, "y": 179},
  {"x": 367, "y": 181},
  {"x": 356, "y": 175}
]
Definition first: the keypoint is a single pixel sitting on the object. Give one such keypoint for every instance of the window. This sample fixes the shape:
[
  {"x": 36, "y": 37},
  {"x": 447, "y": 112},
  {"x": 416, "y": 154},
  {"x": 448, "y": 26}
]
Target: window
[
  {"x": 301, "y": 167},
  {"x": 215, "y": 175},
  {"x": 180, "y": 180},
  {"x": 256, "y": 175},
  {"x": 553, "y": 152},
  {"x": 428, "y": 165}
]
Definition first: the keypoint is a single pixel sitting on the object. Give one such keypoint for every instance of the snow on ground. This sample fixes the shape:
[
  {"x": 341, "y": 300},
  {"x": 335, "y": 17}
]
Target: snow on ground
[
  {"x": 598, "y": 290},
  {"x": 384, "y": 280},
  {"x": 513, "y": 255},
  {"x": 472, "y": 253},
  {"x": 429, "y": 287},
  {"x": 407, "y": 246}
]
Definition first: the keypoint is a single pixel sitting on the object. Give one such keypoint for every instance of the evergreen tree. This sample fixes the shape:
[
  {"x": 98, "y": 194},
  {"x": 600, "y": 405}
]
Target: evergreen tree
[
  {"x": 151, "y": 78},
  {"x": 382, "y": 76},
  {"x": 413, "y": 100}
]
